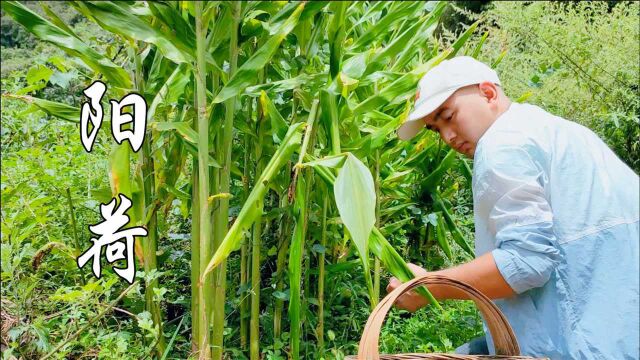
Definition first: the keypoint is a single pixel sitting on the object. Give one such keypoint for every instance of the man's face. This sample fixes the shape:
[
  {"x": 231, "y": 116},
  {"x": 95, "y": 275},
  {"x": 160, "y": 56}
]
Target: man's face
[{"x": 463, "y": 118}]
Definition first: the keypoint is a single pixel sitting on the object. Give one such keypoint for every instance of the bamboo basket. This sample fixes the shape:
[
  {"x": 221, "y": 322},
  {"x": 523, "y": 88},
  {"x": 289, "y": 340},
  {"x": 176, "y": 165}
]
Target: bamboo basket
[{"x": 504, "y": 339}]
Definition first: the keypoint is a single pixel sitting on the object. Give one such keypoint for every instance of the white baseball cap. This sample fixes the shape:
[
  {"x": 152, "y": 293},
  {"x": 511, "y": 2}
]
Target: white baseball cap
[{"x": 439, "y": 83}]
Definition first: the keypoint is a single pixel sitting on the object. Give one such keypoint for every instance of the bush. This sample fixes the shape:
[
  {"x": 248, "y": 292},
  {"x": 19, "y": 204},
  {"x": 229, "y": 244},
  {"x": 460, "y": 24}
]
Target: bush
[{"x": 578, "y": 60}]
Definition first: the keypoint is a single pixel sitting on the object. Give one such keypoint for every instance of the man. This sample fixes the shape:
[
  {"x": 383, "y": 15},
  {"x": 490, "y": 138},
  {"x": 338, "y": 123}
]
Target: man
[{"x": 556, "y": 217}]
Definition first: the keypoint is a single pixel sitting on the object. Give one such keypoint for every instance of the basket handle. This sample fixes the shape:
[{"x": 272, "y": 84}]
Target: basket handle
[{"x": 503, "y": 337}]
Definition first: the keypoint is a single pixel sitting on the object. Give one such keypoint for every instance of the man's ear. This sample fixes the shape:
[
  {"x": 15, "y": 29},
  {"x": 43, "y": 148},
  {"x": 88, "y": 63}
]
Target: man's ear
[{"x": 489, "y": 91}]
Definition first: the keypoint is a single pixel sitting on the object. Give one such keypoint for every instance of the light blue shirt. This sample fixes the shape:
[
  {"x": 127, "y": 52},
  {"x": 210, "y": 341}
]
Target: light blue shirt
[{"x": 559, "y": 211}]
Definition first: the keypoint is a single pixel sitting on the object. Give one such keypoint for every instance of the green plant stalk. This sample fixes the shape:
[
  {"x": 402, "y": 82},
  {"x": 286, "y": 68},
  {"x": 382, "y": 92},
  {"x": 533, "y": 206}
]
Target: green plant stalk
[
  {"x": 221, "y": 220},
  {"x": 150, "y": 245},
  {"x": 254, "y": 325},
  {"x": 219, "y": 223},
  {"x": 306, "y": 267},
  {"x": 299, "y": 235},
  {"x": 195, "y": 255},
  {"x": 283, "y": 249},
  {"x": 295, "y": 268},
  {"x": 254, "y": 322},
  {"x": 321, "y": 258},
  {"x": 204, "y": 283},
  {"x": 244, "y": 250}
]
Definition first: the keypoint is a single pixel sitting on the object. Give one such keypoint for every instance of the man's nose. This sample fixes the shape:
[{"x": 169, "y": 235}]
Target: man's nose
[{"x": 447, "y": 134}]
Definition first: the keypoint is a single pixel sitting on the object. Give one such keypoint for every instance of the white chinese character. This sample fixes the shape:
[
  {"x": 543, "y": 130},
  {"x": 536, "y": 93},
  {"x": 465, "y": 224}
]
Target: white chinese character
[
  {"x": 95, "y": 92},
  {"x": 110, "y": 237},
  {"x": 139, "y": 119}
]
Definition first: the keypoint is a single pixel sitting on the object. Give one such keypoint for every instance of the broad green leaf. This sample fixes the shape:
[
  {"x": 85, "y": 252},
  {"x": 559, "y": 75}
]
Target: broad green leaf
[
  {"x": 355, "y": 197},
  {"x": 310, "y": 9},
  {"x": 183, "y": 128},
  {"x": 462, "y": 39},
  {"x": 49, "y": 32},
  {"x": 378, "y": 138},
  {"x": 406, "y": 40},
  {"x": 414, "y": 45},
  {"x": 247, "y": 73},
  {"x": 38, "y": 73},
  {"x": 400, "y": 89},
  {"x": 442, "y": 238},
  {"x": 372, "y": 11},
  {"x": 394, "y": 263},
  {"x": 336, "y": 34},
  {"x": 453, "y": 228},
  {"x": 278, "y": 124},
  {"x": 120, "y": 18},
  {"x": 119, "y": 170},
  {"x": 187, "y": 133},
  {"x": 432, "y": 180},
  {"x": 389, "y": 229},
  {"x": 59, "y": 110},
  {"x": 171, "y": 17},
  {"x": 334, "y": 161},
  {"x": 171, "y": 90},
  {"x": 62, "y": 79},
  {"x": 307, "y": 80},
  {"x": 390, "y": 211},
  {"x": 56, "y": 20},
  {"x": 356, "y": 65},
  {"x": 398, "y": 11}
]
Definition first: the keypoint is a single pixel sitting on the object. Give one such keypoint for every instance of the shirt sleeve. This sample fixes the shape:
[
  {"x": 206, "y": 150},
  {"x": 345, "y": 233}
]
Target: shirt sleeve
[{"x": 513, "y": 197}]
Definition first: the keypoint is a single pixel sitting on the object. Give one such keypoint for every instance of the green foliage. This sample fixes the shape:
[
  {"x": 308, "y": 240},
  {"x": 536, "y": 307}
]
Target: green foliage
[
  {"x": 575, "y": 62},
  {"x": 430, "y": 330}
]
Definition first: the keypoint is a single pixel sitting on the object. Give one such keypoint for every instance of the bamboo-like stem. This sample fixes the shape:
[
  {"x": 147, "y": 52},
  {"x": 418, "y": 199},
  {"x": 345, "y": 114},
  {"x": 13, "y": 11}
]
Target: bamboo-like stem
[
  {"x": 219, "y": 224},
  {"x": 203, "y": 184},
  {"x": 300, "y": 202},
  {"x": 254, "y": 324},
  {"x": 283, "y": 250},
  {"x": 283, "y": 245},
  {"x": 150, "y": 245},
  {"x": 306, "y": 268},
  {"x": 255, "y": 292},
  {"x": 244, "y": 249},
  {"x": 321, "y": 257},
  {"x": 221, "y": 216},
  {"x": 195, "y": 255}
]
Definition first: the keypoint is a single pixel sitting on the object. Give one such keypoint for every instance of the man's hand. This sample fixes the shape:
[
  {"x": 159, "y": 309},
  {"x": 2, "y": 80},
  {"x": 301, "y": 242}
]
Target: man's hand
[
  {"x": 410, "y": 301},
  {"x": 481, "y": 273}
]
